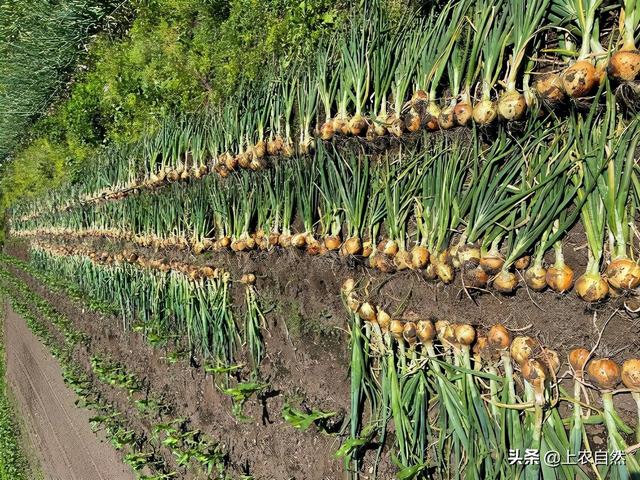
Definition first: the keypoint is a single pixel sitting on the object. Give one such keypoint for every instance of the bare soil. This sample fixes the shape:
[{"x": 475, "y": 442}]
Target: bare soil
[{"x": 58, "y": 430}]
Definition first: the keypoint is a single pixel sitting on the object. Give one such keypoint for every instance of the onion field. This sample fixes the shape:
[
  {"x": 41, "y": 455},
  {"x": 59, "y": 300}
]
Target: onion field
[{"x": 402, "y": 244}]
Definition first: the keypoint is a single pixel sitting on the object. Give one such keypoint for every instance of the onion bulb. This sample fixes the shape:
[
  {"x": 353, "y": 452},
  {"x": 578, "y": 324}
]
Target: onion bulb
[
  {"x": 469, "y": 255},
  {"x": 313, "y": 246},
  {"x": 522, "y": 349},
  {"x": 384, "y": 263},
  {"x": 260, "y": 149},
  {"x": 352, "y": 245},
  {"x": 402, "y": 260},
  {"x": 433, "y": 113},
  {"x": 578, "y": 358},
  {"x": 631, "y": 374},
  {"x": 357, "y": 125},
  {"x": 299, "y": 240},
  {"x": 512, "y": 105},
  {"x": 551, "y": 359},
  {"x": 430, "y": 273},
  {"x": 550, "y": 88},
  {"x": 371, "y": 134},
  {"x": 384, "y": 319},
  {"x": 447, "y": 119},
  {"x": 591, "y": 287},
  {"x": 326, "y": 130},
  {"x": 412, "y": 121},
  {"x": 348, "y": 286},
  {"x": 463, "y": 112},
  {"x": 560, "y": 279},
  {"x": 464, "y": 334},
  {"x": 492, "y": 262},
  {"x": 426, "y": 331},
  {"x": 580, "y": 78},
  {"x": 419, "y": 97},
  {"x": 442, "y": 268},
  {"x": 522, "y": 263},
  {"x": 623, "y": 273},
  {"x": 446, "y": 333},
  {"x": 379, "y": 127},
  {"x": 332, "y": 242},
  {"x": 390, "y": 247},
  {"x": 274, "y": 238},
  {"x": 409, "y": 333},
  {"x": 484, "y": 112},
  {"x": 284, "y": 239},
  {"x": 419, "y": 256},
  {"x": 396, "y": 328},
  {"x": 274, "y": 145},
  {"x": 288, "y": 150},
  {"x": 535, "y": 278},
  {"x": 224, "y": 242},
  {"x": 475, "y": 277},
  {"x": 505, "y": 282},
  {"x": 367, "y": 312},
  {"x": 535, "y": 373},
  {"x": 396, "y": 125},
  {"x": 340, "y": 125},
  {"x": 499, "y": 337},
  {"x": 624, "y": 65},
  {"x": 605, "y": 372}
]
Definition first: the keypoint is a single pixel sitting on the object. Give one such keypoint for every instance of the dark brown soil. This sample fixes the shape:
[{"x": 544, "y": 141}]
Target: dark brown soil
[
  {"x": 307, "y": 345},
  {"x": 267, "y": 447}
]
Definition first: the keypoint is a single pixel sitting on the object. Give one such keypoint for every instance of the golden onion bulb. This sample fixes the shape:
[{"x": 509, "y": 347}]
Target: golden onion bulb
[
  {"x": 623, "y": 273},
  {"x": 485, "y": 112},
  {"x": 464, "y": 334},
  {"x": 505, "y": 282},
  {"x": 535, "y": 278},
  {"x": 396, "y": 327},
  {"x": 605, "y": 372},
  {"x": 591, "y": 287},
  {"x": 352, "y": 245},
  {"x": 560, "y": 280},
  {"x": 631, "y": 374},
  {"x": 384, "y": 319},
  {"x": 624, "y": 65},
  {"x": 409, "y": 333},
  {"x": 492, "y": 262},
  {"x": 522, "y": 349},
  {"x": 512, "y": 106},
  {"x": 425, "y": 330},
  {"x": 367, "y": 312},
  {"x": 578, "y": 358},
  {"x": 419, "y": 257},
  {"x": 499, "y": 337},
  {"x": 463, "y": 113},
  {"x": 550, "y": 88},
  {"x": 580, "y": 79}
]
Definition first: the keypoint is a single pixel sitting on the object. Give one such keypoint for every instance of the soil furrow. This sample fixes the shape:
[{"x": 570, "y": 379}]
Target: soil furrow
[{"x": 67, "y": 447}]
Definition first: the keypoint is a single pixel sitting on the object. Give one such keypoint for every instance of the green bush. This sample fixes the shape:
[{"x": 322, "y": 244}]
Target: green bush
[{"x": 175, "y": 55}]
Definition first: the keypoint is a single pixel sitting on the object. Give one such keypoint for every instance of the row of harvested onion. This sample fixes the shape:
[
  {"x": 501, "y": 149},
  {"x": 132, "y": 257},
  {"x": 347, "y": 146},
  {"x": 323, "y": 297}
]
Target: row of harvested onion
[
  {"x": 477, "y": 270},
  {"x": 424, "y": 344},
  {"x": 162, "y": 264}
]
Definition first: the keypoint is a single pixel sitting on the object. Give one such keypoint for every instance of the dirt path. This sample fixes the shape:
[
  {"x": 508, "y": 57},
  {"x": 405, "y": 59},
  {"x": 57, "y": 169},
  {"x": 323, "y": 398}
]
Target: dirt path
[{"x": 58, "y": 430}]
